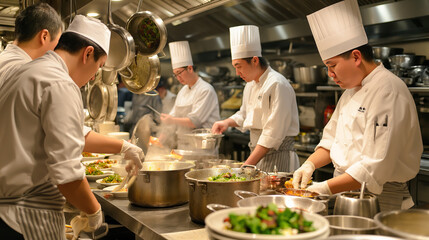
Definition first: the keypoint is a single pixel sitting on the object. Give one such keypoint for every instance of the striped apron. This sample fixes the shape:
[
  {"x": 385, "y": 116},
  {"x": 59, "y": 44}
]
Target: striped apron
[
  {"x": 39, "y": 212},
  {"x": 395, "y": 196},
  {"x": 285, "y": 158}
]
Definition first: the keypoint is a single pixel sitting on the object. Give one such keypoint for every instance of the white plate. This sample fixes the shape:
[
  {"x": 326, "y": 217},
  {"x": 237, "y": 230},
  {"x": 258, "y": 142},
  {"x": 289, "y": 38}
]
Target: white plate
[
  {"x": 86, "y": 163},
  {"x": 97, "y": 156},
  {"x": 106, "y": 184},
  {"x": 95, "y": 177},
  {"x": 214, "y": 221},
  {"x": 116, "y": 194}
]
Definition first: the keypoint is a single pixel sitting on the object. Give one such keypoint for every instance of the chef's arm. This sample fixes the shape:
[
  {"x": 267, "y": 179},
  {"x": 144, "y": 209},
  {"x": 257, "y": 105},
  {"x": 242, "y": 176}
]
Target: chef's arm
[
  {"x": 79, "y": 194},
  {"x": 257, "y": 154},
  {"x": 320, "y": 157},
  {"x": 98, "y": 143},
  {"x": 343, "y": 182}
]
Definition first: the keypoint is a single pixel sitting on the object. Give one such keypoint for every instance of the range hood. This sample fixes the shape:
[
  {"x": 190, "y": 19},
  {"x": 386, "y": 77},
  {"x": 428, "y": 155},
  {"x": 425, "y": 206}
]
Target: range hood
[{"x": 283, "y": 25}]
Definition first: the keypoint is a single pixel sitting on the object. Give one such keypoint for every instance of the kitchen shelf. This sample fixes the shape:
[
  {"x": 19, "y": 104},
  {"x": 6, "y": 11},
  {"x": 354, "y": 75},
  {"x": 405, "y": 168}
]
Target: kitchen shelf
[
  {"x": 306, "y": 94},
  {"x": 419, "y": 89}
]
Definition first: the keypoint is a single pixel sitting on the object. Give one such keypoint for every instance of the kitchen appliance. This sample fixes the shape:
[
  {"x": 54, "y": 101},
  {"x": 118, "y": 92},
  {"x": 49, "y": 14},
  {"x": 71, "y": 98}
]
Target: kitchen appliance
[
  {"x": 203, "y": 192},
  {"x": 406, "y": 224},
  {"x": 160, "y": 184},
  {"x": 349, "y": 203},
  {"x": 346, "y": 224}
]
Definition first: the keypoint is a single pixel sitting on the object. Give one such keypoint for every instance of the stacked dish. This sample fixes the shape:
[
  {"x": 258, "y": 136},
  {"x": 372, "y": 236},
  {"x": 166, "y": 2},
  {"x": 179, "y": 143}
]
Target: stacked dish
[{"x": 216, "y": 227}]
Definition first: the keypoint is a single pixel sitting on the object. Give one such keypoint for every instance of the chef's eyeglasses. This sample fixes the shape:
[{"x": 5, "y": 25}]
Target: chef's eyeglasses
[{"x": 178, "y": 74}]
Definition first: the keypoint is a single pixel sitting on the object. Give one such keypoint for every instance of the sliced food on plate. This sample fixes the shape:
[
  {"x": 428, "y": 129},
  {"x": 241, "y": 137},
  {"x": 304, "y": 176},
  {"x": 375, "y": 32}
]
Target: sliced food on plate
[
  {"x": 114, "y": 179},
  {"x": 101, "y": 163}
]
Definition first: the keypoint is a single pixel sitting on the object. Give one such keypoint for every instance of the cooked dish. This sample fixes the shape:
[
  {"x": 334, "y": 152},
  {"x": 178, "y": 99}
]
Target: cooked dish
[
  {"x": 102, "y": 164},
  {"x": 269, "y": 220},
  {"x": 226, "y": 177},
  {"x": 93, "y": 171},
  {"x": 298, "y": 192},
  {"x": 149, "y": 33},
  {"x": 288, "y": 184},
  {"x": 87, "y": 154},
  {"x": 115, "y": 178}
]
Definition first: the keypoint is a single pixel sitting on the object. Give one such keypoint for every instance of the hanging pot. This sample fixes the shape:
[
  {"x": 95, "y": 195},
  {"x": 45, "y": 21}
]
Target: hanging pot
[
  {"x": 98, "y": 101},
  {"x": 112, "y": 107},
  {"x": 122, "y": 47},
  {"x": 145, "y": 74},
  {"x": 148, "y": 30}
]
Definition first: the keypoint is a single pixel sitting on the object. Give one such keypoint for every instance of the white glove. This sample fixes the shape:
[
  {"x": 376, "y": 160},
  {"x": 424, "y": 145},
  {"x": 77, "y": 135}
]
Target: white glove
[
  {"x": 94, "y": 220},
  {"x": 133, "y": 153},
  {"x": 321, "y": 188},
  {"x": 303, "y": 174}
]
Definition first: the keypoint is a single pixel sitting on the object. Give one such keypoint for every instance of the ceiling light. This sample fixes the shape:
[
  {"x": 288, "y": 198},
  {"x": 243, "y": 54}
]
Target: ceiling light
[{"x": 92, "y": 14}]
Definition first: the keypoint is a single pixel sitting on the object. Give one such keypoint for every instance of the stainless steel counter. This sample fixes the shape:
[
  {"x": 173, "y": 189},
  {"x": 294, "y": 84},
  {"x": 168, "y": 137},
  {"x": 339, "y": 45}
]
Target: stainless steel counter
[{"x": 148, "y": 223}]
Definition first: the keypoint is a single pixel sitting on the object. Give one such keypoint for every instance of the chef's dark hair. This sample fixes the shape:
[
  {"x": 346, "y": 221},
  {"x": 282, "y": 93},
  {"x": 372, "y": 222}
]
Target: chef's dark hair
[
  {"x": 34, "y": 19},
  {"x": 365, "y": 50},
  {"x": 262, "y": 61},
  {"x": 73, "y": 43}
]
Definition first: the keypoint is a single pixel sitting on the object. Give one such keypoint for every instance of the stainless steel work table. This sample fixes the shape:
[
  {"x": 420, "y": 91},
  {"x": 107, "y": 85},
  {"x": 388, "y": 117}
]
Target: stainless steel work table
[{"x": 148, "y": 223}]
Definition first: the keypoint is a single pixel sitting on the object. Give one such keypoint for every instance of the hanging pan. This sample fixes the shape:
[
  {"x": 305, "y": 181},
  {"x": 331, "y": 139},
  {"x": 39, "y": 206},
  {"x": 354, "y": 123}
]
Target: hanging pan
[
  {"x": 122, "y": 47},
  {"x": 113, "y": 102},
  {"x": 146, "y": 74},
  {"x": 148, "y": 30},
  {"x": 98, "y": 101}
]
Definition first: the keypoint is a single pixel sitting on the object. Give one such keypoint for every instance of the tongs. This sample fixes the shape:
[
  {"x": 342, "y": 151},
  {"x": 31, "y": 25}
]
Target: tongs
[
  {"x": 153, "y": 109},
  {"x": 252, "y": 173},
  {"x": 130, "y": 178}
]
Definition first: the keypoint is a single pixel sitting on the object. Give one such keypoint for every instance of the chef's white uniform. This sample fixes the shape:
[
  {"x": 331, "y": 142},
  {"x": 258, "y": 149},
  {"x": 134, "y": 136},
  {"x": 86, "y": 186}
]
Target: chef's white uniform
[
  {"x": 11, "y": 59},
  {"x": 270, "y": 112},
  {"x": 198, "y": 103},
  {"x": 42, "y": 143},
  {"x": 374, "y": 136}
]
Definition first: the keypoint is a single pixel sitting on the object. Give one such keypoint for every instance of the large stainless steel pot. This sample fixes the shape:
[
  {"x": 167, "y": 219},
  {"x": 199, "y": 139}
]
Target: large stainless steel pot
[
  {"x": 403, "y": 61},
  {"x": 310, "y": 75},
  {"x": 160, "y": 184},
  {"x": 346, "y": 224},
  {"x": 203, "y": 192},
  {"x": 384, "y": 53},
  {"x": 349, "y": 203},
  {"x": 406, "y": 224},
  {"x": 204, "y": 139}
]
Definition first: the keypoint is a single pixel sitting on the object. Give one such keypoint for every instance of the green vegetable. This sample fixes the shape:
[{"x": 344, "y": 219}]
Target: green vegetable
[
  {"x": 270, "y": 220},
  {"x": 226, "y": 177}
]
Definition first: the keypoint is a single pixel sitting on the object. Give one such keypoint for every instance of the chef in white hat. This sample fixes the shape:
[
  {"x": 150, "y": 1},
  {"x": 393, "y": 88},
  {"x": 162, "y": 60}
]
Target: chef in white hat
[
  {"x": 374, "y": 134},
  {"x": 41, "y": 161},
  {"x": 268, "y": 109},
  {"x": 196, "y": 103}
]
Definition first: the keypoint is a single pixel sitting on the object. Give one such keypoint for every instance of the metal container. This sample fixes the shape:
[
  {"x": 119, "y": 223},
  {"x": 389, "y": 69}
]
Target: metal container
[
  {"x": 350, "y": 204},
  {"x": 384, "y": 53},
  {"x": 160, "y": 184},
  {"x": 203, "y": 139},
  {"x": 310, "y": 75},
  {"x": 345, "y": 224},
  {"x": 406, "y": 224},
  {"x": 203, "y": 192},
  {"x": 401, "y": 61}
]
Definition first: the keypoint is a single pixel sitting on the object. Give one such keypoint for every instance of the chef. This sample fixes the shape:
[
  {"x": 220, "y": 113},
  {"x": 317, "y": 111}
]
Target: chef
[
  {"x": 269, "y": 107},
  {"x": 42, "y": 129},
  {"x": 374, "y": 134},
  {"x": 196, "y": 105}
]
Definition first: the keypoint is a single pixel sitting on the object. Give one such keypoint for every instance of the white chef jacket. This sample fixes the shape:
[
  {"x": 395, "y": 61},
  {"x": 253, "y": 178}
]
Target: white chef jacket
[
  {"x": 42, "y": 132},
  {"x": 198, "y": 103},
  {"x": 269, "y": 105},
  {"x": 11, "y": 59},
  {"x": 168, "y": 102},
  {"x": 374, "y": 133}
]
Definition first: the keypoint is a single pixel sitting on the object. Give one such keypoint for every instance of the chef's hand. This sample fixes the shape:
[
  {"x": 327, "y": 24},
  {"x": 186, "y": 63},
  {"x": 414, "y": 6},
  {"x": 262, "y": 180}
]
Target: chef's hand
[
  {"x": 87, "y": 222},
  {"x": 219, "y": 127},
  {"x": 168, "y": 119},
  {"x": 321, "y": 188},
  {"x": 303, "y": 174},
  {"x": 133, "y": 153}
]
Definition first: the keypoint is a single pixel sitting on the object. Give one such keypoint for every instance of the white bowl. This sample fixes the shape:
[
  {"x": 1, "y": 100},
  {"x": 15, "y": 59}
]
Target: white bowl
[
  {"x": 117, "y": 194},
  {"x": 214, "y": 222}
]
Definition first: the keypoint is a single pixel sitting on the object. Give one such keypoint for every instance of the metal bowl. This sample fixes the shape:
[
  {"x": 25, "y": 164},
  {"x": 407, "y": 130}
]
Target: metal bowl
[
  {"x": 407, "y": 224},
  {"x": 384, "y": 53},
  {"x": 401, "y": 61},
  {"x": 201, "y": 139},
  {"x": 349, "y": 203},
  {"x": 346, "y": 224}
]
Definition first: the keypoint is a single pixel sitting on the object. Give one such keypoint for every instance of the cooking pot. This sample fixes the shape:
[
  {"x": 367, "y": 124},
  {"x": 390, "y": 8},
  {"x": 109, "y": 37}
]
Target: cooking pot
[
  {"x": 406, "y": 224},
  {"x": 112, "y": 105},
  {"x": 346, "y": 224},
  {"x": 383, "y": 53},
  {"x": 310, "y": 75},
  {"x": 144, "y": 74},
  {"x": 204, "y": 139},
  {"x": 98, "y": 101},
  {"x": 148, "y": 30},
  {"x": 203, "y": 192},
  {"x": 349, "y": 203},
  {"x": 122, "y": 46},
  {"x": 283, "y": 66},
  {"x": 401, "y": 61},
  {"x": 160, "y": 184}
]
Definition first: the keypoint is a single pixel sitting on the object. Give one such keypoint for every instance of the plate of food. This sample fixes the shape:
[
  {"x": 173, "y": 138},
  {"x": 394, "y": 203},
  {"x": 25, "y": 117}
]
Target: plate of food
[
  {"x": 93, "y": 156},
  {"x": 93, "y": 173},
  {"x": 111, "y": 180},
  {"x": 102, "y": 164},
  {"x": 121, "y": 193}
]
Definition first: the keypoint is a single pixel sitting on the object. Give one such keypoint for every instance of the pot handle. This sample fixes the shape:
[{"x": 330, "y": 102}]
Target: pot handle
[
  {"x": 146, "y": 177},
  {"x": 214, "y": 207},
  {"x": 240, "y": 193},
  {"x": 127, "y": 76}
]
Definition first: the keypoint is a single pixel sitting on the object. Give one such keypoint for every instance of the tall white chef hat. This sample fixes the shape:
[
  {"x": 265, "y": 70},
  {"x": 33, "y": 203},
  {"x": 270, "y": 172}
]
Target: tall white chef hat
[
  {"x": 337, "y": 28},
  {"x": 245, "y": 42},
  {"x": 91, "y": 28},
  {"x": 180, "y": 54}
]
